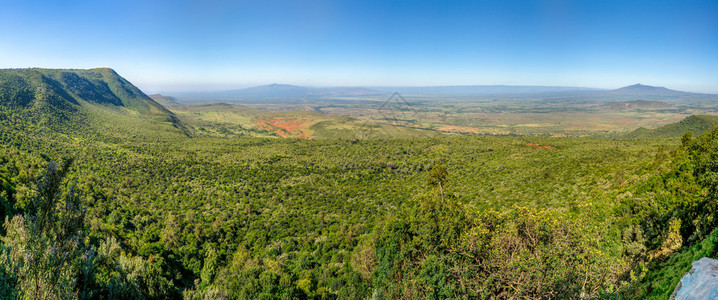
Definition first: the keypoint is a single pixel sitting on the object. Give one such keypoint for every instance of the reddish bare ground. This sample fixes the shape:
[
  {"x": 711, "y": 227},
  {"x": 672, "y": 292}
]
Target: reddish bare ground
[{"x": 287, "y": 127}]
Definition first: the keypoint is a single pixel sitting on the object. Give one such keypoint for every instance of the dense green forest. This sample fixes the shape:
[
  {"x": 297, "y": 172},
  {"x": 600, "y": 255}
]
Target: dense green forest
[{"x": 105, "y": 194}]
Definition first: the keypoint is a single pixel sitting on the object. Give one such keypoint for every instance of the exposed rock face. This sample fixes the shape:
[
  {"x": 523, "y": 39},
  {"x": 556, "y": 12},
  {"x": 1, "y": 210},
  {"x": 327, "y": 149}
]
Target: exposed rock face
[{"x": 701, "y": 282}]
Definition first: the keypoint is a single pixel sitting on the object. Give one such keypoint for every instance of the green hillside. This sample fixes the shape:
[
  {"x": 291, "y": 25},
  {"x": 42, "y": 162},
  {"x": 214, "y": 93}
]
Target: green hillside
[
  {"x": 81, "y": 102},
  {"x": 67, "y": 89},
  {"x": 696, "y": 124},
  {"x": 166, "y": 101}
]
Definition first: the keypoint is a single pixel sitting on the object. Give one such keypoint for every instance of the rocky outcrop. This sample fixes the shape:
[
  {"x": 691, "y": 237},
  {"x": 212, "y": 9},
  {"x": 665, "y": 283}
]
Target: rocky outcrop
[{"x": 701, "y": 282}]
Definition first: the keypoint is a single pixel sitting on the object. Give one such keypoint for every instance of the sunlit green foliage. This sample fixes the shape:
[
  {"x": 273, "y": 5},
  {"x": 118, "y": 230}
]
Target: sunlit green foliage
[
  {"x": 675, "y": 213},
  {"x": 165, "y": 215},
  {"x": 44, "y": 255},
  {"x": 695, "y": 123}
]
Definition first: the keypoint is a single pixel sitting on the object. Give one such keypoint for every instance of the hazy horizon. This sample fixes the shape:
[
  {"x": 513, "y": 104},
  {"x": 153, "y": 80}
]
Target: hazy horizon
[
  {"x": 567, "y": 88},
  {"x": 167, "y": 46}
]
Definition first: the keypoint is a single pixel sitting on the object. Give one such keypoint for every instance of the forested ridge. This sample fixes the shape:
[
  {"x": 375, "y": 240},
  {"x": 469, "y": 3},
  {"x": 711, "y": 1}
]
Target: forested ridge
[{"x": 125, "y": 205}]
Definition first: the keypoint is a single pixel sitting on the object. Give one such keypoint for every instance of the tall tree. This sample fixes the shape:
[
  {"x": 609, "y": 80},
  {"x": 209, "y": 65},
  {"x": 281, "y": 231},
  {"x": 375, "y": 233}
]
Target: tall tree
[{"x": 44, "y": 253}]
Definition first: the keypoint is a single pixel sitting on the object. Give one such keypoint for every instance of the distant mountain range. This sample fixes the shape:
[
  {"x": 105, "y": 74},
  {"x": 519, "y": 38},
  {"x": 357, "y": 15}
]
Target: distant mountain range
[
  {"x": 647, "y": 90},
  {"x": 286, "y": 92},
  {"x": 628, "y": 93}
]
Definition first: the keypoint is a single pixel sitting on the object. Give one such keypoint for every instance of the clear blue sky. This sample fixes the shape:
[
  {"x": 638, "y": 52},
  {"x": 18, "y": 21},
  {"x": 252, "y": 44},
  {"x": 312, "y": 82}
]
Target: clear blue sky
[{"x": 212, "y": 44}]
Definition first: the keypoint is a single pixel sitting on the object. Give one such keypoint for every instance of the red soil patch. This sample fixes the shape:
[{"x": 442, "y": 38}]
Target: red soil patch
[{"x": 287, "y": 127}]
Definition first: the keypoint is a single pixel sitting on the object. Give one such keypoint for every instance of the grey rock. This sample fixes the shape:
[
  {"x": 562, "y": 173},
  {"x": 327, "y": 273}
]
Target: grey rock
[{"x": 701, "y": 282}]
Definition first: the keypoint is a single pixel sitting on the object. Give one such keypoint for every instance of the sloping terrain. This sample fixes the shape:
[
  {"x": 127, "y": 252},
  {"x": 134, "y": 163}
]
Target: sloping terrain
[
  {"x": 88, "y": 102},
  {"x": 166, "y": 101},
  {"x": 696, "y": 124},
  {"x": 60, "y": 88}
]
